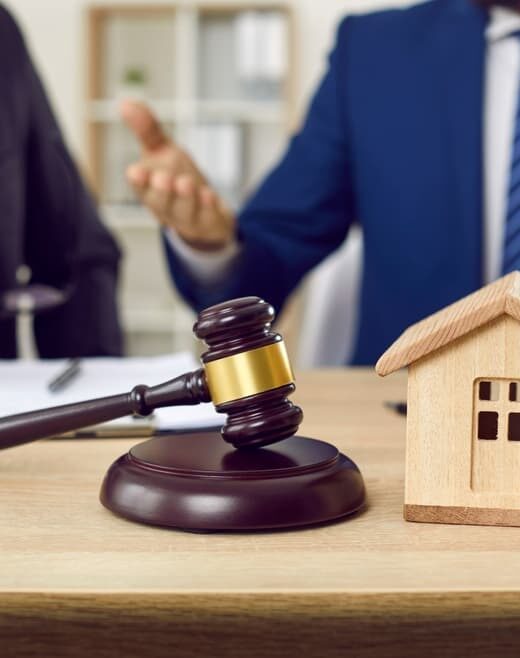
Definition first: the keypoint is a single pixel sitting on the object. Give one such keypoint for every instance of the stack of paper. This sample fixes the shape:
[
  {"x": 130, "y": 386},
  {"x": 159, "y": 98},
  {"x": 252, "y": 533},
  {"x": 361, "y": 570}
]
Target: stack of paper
[{"x": 24, "y": 387}]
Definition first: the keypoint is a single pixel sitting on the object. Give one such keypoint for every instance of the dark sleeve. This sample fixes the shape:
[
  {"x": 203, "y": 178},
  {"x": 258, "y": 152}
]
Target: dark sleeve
[
  {"x": 66, "y": 245},
  {"x": 300, "y": 214}
]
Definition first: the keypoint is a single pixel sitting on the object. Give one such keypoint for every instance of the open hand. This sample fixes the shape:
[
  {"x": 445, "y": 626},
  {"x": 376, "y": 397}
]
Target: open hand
[{"x": 170, "y": 184}]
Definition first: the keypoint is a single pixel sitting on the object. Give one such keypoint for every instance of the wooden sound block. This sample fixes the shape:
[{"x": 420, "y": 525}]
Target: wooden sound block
[{"x": 198, "y": 482}]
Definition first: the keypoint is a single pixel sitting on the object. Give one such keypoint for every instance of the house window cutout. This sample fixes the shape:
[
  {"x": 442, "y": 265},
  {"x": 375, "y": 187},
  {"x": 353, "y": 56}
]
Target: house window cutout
[
  {"x": 513, "y": 431},
  {"x": 489, "y": 390},
  {"x": 514, "y": 392},
  {"x": 488, "y": 425}
]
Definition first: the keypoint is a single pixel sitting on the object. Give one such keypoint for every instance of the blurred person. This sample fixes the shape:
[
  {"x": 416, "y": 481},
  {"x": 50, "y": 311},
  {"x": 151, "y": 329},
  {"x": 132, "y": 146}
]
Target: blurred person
[
  {"x": 410, "y": 134},
  {"x": 49, "y": 221}
]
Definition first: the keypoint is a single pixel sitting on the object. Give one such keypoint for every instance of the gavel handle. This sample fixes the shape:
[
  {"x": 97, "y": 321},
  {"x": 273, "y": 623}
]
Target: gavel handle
[{"x": 190, "y": 388}]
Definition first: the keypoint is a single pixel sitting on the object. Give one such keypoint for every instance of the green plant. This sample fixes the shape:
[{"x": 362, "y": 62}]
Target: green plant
[{"x": 134, "y": 76}]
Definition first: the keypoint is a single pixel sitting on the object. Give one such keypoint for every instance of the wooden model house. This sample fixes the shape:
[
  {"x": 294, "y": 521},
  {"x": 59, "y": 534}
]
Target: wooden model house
[{"x": 463, "y": 427}]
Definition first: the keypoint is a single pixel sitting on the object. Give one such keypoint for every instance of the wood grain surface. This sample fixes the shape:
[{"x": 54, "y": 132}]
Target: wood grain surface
[{"x": 77, "y": 581}]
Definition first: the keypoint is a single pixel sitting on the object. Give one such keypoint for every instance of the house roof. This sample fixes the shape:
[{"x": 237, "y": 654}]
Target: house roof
[{"x": 498, "y": 298}]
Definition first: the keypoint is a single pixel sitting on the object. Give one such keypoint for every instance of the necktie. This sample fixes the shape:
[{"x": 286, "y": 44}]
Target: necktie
[{"x": 511, "y": 260}]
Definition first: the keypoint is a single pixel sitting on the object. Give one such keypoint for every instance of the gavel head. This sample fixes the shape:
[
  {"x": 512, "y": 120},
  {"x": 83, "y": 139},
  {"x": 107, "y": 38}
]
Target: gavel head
[{"x": 248, "y": 372}]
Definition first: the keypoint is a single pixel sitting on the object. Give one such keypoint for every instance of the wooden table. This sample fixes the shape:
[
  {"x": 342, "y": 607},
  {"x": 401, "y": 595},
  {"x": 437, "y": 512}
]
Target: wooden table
[{"x": 77, "y": 581}]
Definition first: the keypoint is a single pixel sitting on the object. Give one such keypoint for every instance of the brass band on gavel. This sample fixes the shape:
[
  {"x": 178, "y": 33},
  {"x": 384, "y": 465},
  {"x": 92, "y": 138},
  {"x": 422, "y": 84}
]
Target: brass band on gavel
[{"x": 248, "y": 373}]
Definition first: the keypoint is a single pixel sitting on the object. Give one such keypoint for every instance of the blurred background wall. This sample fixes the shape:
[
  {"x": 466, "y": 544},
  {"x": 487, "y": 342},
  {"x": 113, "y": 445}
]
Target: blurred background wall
[{"x": 64, "y": 49}]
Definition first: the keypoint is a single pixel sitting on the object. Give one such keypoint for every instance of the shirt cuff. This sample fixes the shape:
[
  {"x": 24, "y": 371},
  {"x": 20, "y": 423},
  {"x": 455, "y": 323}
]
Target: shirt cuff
[{"x": 206, "y": 267}]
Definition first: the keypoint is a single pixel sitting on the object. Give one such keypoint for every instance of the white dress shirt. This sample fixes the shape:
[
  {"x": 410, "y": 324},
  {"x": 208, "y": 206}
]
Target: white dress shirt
[
  {"x": 502, "y": 78},
  {"x": 206, "y": 267},
  {"x": 501, "y": 94}
]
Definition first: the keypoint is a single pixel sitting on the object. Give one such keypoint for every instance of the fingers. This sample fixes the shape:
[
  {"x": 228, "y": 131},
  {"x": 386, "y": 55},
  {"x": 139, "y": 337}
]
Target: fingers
[
  {"x": 216, "y": 222},
  {"x": 143, "y": 123},
  {"x": 208, "y": 213},
  {"x": 153, "y": 187},
  {"x": 181, "y": 203},
  {"x": 137, "y": 175},
  {"x": 194, "y": 210},
  {"x": 172, "y": 199},
  {"x": 184, "y": 206},
  {"x": 158, "y": 194}
]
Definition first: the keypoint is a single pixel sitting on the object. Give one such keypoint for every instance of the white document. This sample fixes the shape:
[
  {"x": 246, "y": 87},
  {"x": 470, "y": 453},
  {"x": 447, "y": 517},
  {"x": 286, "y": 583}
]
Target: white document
[{"x": 24, "y": 387}]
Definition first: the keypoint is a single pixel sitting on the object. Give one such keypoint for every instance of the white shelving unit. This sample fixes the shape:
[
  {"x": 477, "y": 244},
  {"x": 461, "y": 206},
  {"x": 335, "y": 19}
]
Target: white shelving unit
[{"x": 218, "y": 78}]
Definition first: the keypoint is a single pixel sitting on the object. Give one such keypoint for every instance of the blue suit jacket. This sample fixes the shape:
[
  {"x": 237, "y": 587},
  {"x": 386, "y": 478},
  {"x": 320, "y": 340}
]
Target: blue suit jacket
[{"x": 392, "y": 140}]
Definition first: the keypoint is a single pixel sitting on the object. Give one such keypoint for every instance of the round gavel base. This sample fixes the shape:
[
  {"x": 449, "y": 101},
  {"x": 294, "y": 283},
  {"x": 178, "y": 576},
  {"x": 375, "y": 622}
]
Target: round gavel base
[{"x": 198, "y": 482}]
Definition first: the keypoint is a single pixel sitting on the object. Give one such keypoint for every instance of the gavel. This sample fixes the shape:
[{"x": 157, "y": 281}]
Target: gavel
[{"x": 246, "y": 374}]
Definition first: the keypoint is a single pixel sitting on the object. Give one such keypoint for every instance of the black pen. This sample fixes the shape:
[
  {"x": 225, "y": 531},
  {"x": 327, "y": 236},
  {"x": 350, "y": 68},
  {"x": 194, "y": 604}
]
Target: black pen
[
  {"x": 399, "y": 407},
  {"x": 64, "y": 378}
]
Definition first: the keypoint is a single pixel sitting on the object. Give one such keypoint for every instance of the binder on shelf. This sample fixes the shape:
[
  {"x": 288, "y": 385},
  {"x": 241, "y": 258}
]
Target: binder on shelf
[
  {"x": 261, "y": 39},
  {"x": 275, "y": 37}
]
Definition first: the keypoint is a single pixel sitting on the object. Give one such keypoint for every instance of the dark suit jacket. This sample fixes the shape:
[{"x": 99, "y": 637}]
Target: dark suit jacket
[
  {"x": 393, "y": 140},
  {"x": 48, "y": 219}
]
